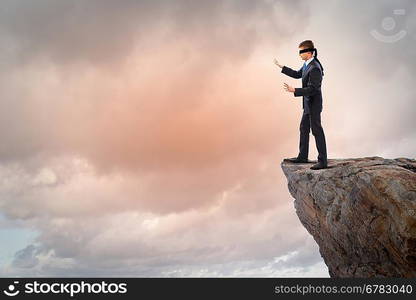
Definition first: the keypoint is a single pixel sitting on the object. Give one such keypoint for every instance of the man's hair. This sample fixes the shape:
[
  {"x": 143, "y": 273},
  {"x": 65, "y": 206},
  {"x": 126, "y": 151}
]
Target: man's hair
[{"x": 307, "y": 44}]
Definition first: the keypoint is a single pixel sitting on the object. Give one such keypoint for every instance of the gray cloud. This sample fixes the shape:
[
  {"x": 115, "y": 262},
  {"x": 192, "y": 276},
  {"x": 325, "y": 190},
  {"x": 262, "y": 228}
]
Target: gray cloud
[
  {"x": 103, "y": 32},
  {"x": 26, "y": 258},
  {"x": 69, "y": 250}
]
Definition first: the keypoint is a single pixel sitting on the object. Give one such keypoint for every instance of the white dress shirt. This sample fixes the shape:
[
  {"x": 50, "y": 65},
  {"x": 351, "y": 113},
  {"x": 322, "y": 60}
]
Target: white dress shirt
[{"x": 308, "y": 61}]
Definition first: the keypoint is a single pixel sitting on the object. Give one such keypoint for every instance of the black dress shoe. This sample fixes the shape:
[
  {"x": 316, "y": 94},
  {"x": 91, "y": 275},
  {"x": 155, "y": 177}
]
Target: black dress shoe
[
  {"x": 296, "y": 160},
  {"x": 319, "y": 165}
]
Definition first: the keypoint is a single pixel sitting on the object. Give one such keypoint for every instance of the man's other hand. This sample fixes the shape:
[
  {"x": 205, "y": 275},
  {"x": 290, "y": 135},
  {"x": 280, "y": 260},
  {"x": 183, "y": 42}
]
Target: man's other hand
[
  {"x": 277, "y": 63},
  {"x": 288, "y": 88}
]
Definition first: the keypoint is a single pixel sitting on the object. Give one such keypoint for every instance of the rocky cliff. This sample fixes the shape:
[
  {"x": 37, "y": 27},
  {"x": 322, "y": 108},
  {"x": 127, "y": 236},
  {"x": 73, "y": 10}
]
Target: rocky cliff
[{"x": 361, "y": 212}]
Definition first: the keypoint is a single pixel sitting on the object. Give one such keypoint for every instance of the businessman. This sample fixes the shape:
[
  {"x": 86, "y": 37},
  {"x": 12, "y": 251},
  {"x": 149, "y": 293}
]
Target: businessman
[{"x": 311, "y": 74}]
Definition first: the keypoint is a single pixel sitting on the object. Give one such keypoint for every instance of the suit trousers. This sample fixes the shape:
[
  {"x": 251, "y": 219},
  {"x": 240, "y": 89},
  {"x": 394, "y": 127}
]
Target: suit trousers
[{"x": 312, "y": 120}]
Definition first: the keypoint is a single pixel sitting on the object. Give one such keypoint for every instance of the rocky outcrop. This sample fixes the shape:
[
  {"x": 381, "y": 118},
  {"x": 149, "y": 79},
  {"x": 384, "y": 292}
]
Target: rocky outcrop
[{"x": 361, "y": 212}]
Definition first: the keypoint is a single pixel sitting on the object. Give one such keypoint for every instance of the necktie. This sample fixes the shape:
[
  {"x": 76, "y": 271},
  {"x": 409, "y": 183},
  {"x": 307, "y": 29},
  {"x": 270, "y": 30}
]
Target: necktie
[{"x": 303, "y": 68}]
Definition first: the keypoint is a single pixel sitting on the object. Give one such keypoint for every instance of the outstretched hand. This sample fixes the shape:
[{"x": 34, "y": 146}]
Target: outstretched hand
[
  {"x": 288, "y": 88},
  {"x": 277, "y": 63}
]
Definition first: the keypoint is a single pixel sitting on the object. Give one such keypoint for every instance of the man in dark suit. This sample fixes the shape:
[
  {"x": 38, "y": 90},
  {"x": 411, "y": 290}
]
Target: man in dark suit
[{"x": 311, "y": 74}]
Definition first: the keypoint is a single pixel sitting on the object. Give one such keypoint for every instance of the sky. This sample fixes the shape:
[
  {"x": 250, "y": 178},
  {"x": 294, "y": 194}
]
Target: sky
[{"x": 144, "y": 138}]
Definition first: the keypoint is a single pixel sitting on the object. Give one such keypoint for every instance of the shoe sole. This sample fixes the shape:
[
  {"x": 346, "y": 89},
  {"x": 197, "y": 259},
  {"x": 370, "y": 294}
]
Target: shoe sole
[{"x": 296, "y": 161}]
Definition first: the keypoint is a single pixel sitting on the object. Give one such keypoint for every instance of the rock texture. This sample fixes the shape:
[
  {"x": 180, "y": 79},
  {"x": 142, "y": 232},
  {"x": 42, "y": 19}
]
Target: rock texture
[{"x": 361, "y": 212}]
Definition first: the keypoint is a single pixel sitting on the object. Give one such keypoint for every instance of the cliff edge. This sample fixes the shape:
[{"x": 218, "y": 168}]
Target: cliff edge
[{"x": 361, "y": 212}]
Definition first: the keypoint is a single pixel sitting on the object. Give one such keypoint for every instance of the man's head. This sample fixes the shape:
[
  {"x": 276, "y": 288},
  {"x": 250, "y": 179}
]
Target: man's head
[{"x": 308, "y": 44}]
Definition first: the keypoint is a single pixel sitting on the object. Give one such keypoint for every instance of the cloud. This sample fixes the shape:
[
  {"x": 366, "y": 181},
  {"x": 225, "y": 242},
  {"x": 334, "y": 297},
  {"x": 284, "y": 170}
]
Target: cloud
[
  {"x": 148, "y": 245},
  {"x": 104, "y": 32},
  {"x": 26, "y": 258}
]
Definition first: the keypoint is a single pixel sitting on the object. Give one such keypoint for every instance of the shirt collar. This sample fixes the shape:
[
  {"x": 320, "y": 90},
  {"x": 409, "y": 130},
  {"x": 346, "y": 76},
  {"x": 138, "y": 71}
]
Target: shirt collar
[{"x": 308, "y": 61}]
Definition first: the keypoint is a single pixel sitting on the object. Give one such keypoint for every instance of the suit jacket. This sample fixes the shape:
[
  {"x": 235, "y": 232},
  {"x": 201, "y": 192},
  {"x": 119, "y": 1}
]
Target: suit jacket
[{"x": 311, "y": 86}]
